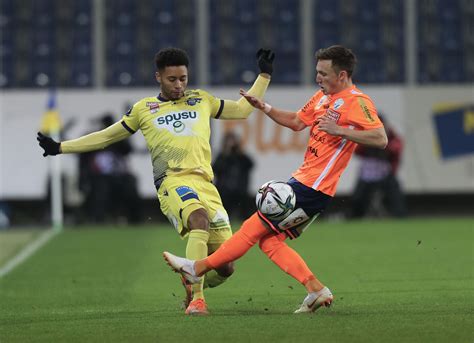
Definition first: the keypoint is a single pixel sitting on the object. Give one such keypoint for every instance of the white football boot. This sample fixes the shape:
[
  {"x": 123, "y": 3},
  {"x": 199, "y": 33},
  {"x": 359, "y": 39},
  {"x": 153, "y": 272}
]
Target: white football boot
[
  {"x": 183, "y": 266},
  {"x": 315, "y": 300}
]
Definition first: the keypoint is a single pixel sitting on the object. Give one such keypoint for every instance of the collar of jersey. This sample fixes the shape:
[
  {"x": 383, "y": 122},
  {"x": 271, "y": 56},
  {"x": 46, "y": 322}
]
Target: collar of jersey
[
  {"x": 159, "y": 97},
  {"x": 343, "y": 92}
]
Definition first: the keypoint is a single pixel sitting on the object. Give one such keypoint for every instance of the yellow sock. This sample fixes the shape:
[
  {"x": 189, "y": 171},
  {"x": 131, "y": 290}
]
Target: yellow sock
[{"x": 196, "y": 249}]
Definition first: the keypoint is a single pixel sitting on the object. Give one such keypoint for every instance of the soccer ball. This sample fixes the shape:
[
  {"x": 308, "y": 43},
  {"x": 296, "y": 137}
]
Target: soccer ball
[{"x": 275, "y": 200}]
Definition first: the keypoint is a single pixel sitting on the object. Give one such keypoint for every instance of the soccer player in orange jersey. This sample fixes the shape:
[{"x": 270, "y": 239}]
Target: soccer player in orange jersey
[{"x": 340, "y": 116}]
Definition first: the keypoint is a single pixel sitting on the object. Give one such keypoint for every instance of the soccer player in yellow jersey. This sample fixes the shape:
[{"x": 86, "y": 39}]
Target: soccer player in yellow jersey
[{"x": 176, "y": 127}]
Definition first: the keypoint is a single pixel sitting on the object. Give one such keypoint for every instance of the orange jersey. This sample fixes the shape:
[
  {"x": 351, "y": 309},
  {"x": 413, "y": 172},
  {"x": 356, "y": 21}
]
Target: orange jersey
[{"x": 327, "y": 156}]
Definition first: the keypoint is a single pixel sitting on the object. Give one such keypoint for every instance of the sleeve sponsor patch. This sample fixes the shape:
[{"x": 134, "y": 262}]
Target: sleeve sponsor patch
[
  {"x": 365, "y": 109},
  {"x": 307, "y": 106}
]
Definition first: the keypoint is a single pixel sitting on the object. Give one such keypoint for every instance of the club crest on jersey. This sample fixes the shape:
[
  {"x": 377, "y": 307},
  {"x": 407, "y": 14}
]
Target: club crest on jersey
[
  {"x": 338, "y": 103},
  {"x": 333, "y": 115},
  {"x": 321, "y": 102},
  {"x": 193, "y": 101}
]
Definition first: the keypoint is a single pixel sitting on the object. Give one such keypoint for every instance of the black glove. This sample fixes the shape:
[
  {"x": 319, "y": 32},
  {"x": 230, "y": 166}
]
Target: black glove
[
  {"x": 265, "y": 60},
  {"x": 50, "y": 146}
]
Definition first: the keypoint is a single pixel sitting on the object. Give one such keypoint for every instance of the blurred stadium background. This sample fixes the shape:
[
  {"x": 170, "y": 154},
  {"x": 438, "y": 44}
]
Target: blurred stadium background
[
  {"x": 416, "y": 59},
  {"x": 394, "y": 280}
]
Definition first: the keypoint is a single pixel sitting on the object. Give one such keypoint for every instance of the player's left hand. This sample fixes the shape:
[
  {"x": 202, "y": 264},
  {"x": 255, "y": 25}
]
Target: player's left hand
[
  {"x": 50, "y": 146},
  {"x": 328, "y": 125},
  {"x": 265, "y": 59}
]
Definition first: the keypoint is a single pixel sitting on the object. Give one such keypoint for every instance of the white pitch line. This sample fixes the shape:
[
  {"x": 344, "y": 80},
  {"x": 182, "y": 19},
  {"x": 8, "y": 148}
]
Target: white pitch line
[{"x": 27, "y": 251}]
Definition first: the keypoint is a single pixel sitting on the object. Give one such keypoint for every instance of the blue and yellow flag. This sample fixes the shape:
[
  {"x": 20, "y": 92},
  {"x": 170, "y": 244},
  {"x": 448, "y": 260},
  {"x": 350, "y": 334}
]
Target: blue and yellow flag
[
  {"x": 51, "y": 122},
  {"x": 455, "y": 130}
]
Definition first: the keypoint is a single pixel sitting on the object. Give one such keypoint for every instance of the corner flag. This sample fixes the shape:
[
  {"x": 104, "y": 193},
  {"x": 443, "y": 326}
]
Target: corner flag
[{"x": 51, "y": 123}]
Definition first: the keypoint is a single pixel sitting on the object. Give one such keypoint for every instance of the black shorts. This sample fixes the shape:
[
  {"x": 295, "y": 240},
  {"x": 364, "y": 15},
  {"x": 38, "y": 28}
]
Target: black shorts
[{"x": 310, "y": 203}]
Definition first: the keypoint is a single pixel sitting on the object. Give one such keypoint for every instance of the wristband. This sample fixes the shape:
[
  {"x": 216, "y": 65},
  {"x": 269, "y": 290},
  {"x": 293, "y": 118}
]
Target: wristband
[{"x": 267, "y": 108}]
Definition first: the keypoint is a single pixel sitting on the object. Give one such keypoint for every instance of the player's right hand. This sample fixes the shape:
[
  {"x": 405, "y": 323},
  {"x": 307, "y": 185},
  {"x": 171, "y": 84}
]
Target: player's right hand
[
  {"x": 265, "y": 59},
  {"x": 50, "y": 146},
  {"x": 255, "y": 102}
]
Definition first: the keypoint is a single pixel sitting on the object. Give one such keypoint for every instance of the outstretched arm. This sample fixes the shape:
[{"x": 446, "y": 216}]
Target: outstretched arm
[
  {"x": 282, "y": 117},
  {"x": 94, "y": 141},
  {"x": 241, "y": 109}
]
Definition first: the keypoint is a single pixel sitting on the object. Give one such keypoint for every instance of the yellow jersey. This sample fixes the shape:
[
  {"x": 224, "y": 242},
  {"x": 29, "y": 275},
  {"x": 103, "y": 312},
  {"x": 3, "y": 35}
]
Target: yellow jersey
[{"x": 177, "y": 132}]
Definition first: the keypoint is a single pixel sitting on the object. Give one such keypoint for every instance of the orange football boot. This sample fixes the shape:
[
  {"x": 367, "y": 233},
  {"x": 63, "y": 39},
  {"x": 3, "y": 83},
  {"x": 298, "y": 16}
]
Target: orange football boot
[{"x": 197, "y": 307}]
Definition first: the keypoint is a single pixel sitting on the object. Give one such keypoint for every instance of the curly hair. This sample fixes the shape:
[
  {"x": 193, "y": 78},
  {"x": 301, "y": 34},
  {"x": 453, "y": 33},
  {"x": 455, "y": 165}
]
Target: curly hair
[{"x": 171, "y": 57}]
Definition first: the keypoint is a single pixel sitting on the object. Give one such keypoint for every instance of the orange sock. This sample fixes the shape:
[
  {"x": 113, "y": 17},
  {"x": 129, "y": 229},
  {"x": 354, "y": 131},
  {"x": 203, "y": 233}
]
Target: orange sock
[
  {"x": 250, "y": 232},
  {"x": 285, "y": 257}
]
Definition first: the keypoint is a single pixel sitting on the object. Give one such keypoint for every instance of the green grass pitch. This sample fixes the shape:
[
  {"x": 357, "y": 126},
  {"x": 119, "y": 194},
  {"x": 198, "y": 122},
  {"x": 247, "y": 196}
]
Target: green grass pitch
[{"x": 393, "y": 281}]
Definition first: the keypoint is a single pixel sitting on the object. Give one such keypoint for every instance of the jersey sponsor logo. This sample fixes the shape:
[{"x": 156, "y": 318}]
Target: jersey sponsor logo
[
  {"x": 356, "y": 92},
  {"x": 153, "y": 106},
  {"x": 317, "y": 136},
  {"x": 365, "y": 109},
  {"x": 193, "y": 101},
  {"x": 178, "y": 126},
  {"x": 338, "y": 103},
  {"x": 312, "y": 150},
  {"x": 129, "y": 111},
  {"x": 175, "y": 122},
  {"x": 333, "y": 115},
  {"x": 178, "y": 116}
]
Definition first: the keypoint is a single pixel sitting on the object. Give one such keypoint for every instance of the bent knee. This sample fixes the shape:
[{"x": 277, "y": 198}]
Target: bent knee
[
  {"x": 267, "y": 246},
  {"x": 198, "y": 220},
  {"x": 226, "y": 270},
  {"x": 270, "y": 244},
  {"x": 262, "y": 245}
]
